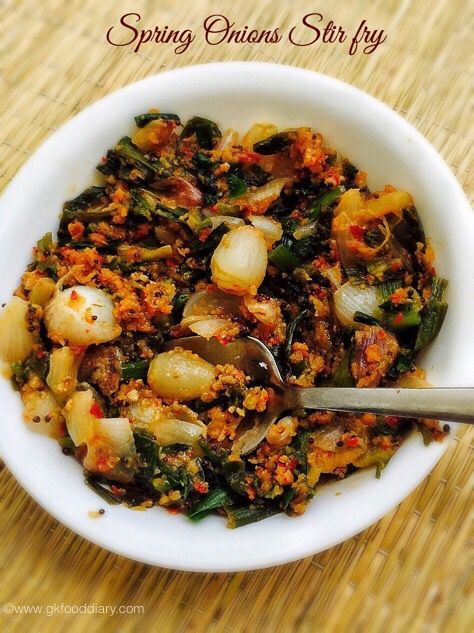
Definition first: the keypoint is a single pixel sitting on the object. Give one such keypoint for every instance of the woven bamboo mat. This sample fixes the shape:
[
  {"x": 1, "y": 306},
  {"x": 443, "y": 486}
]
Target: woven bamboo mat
[{"x": 410, "y": 571}]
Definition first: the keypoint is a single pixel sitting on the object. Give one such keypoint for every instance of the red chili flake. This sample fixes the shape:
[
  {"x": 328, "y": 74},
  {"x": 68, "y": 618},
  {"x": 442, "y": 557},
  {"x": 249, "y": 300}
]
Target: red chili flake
[
  {"x": 395, "y": 265},
  {"x": 201, "y": 486},
  {"x": 103, "y": 464},
  {"x": 96, "y": 411},
  {"x": 171, "y": 263},
  {"x": 320, "y": 261},
  {"x": 352, "y": 441},
  {"x": 293, "y": 463},
  {"x": 392, "y": 420},
  {"x": 333, "y": 174},
  {"x": 357, "y": 231},
  {"x": 117, "y": 491},
  {"x": 204, "y": 234},
  {"x": 74, "y": 295},
  {"x": 246, "y": 156},
  {"x": 398, "y": 318}
]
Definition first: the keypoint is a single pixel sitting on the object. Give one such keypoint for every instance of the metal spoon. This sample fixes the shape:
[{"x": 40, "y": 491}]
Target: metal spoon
[{"x": 256, "y": 360}]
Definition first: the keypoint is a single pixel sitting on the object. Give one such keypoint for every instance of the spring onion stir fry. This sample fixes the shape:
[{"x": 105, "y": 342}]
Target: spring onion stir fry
[{"x": 198, "y": 231}]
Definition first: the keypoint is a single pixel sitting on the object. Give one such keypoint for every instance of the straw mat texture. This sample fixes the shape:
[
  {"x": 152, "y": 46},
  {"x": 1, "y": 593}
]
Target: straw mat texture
[{"x": 410, "y": 571}]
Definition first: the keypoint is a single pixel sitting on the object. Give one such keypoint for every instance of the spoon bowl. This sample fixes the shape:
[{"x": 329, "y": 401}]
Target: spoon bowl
[{"x": 254, "y": 357}]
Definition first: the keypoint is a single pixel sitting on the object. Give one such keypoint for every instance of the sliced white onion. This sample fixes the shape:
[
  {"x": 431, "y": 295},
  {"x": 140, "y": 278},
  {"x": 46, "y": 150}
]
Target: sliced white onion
[
  {"x": 180, "y": 375},
  {"x": 350, "y": 298},
  {"x": 111, "y": 451},
  {"x": 42, "y": 413},
  {"x": 266, "y": 311},
  {"x": 79, "y": 419},
  {"x": 350, "y": 202},
  {"x": 81, "y": 315},
  {"x": 143, "y": 412},
  {"x": 208, "y": 327},
  {"x": 229, "y": 138},
  {"x": 305, "y": 230},
  {"x": 173, "y": 431},
  {"x": 271, "y": 229},
  {"x": 239, "y": 262},
  {"x": 116, "y": 434},
  {"x": 16, "y": 342},
  {"x": 212, "y": 301},
  {"x": 261, "y": 198},
  {"x": 228, "y": 220}
]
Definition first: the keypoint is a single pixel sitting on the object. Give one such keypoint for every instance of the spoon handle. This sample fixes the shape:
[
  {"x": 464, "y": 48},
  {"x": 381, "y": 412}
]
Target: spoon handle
[{"x": 454, "y": 405}]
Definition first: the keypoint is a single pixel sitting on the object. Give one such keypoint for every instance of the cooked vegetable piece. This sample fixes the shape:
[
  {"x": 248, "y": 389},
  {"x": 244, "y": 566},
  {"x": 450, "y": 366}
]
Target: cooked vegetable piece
[
  {"x": 180, "y": 375},
  {"x": 374, "y": 352},
  {"x": 433, "y": 315},
  {"x": 215, "y": 499},
  {"x": 353, "y": 298},
  {"x": 237, "y": 186},
  {"x": 238, "y": 517},
  {"x": 133, "y": 254},
  {"x": 143, "y": 119},
  {"x": 16, "y": 339},
  {"x": 290, "y": 333},
  {"x": 282, "y": 257},
  {"x": 343, "y": 376},
  {"x": 135, "y": 370},
  {"x": 206, "y": 131},
  {"x": 274, "y": 144},
  {"x": 239, "y": 263},
  {"x": 133, "y": 156},
  {"x": 81, "y": 315},
  {"x": 102, "y": 491},
  {"x": 324, "y": 202}
]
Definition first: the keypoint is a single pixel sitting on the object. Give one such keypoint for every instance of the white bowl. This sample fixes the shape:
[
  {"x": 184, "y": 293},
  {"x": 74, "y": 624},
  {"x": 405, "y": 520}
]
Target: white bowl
[{"x": 238, "y": 94}]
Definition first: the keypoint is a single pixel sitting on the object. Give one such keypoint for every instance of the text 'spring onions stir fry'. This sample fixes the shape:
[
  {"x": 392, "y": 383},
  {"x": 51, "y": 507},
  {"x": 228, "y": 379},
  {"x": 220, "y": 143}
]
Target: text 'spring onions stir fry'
[{"x": 194, "y": 231}]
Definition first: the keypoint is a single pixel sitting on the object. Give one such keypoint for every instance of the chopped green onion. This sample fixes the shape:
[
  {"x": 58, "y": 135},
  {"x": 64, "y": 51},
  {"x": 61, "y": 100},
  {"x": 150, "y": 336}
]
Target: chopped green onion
[
  {"x": 324, "y": 202},
  {"x": 143, "y": 119},
  {"x": 274, "y": 144},
  {"x": 105, "y": 494},
  {"x": 134, "y": 254},
  {"x": 127, "y": 150},
  {"x": 238, "y": 517},
  {"x": 237, "y": 186},
  {"x": 343, "y": 376},
  {"x": 235, "y": 475},
  {"x": 207, "y": 133},
  {"x": 134, "y": 371},
  {"x": 366, "y": 319},
  {"x": 211, "y": 455},
  {"x": 291, "y": 331},
  {"x": 282, "y": 257},
  {"x": 66, "y": 442},
  {"x": 425, "y": 433},
  {"x": 179, "y": 302},
  {"x": 432, "y": 315},
  {"x": 387, "y": 288},
  {"x": 213, "y": 500},
  {"x": 305, "y": 230},
  {"x": 403, "y": 320}
]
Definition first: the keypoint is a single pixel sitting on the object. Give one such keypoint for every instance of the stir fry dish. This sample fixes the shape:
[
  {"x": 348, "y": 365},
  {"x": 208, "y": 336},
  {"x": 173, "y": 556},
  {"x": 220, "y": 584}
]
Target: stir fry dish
[{"x": 272, "y": 235}]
